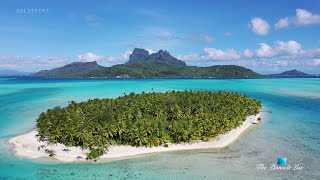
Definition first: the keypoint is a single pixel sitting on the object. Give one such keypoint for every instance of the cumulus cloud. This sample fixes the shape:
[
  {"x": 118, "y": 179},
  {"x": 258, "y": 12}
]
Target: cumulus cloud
[
  {"x": 259, "y": 26},
  {"x": 88, "y": 57},
  {"x": 285, "y": 50},
  {"x": 302, "y": 17},
  {"x": 219, "y": 54},
  {"x": 112, "y": 60},
  {"x": 36, "y": 63},
  {"x": 108, "y": 60},
  {"x": 282, "y": 23},
  {"x": 126, "y": 54},
  {"x": 30, "y": 63},
  {"x": 314, "y": 62},
  {"x": 247, "y": 53},
  {"x": 265, "y": 51},
  {"x": 305, "y": 17},
  {"x": 290, "y": 47},
  {"x": 189, "y": 57},
  {"x": 150, "y": 51}
]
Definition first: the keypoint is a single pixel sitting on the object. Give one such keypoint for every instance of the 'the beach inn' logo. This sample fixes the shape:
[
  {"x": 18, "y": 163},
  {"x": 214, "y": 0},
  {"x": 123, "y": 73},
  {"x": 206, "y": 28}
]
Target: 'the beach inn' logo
[
  {"x": 281, "y": 165},
  {"x": 282, "y": 161}
]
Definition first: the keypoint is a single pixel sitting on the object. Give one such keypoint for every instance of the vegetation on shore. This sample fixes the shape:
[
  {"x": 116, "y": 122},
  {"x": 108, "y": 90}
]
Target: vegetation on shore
[
  {"x": 148, "y": 69},
  {"x": 144, "y": 65},
  {"x": 147, "y": 119},
  {"x": 153, "y": 69}
]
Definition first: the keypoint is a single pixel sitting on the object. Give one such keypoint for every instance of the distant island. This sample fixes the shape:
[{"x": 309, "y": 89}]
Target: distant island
[
  {"x": 291, "y": 73},
  {"x": 139, "y": 123},
  {"x": 141, "y": 64},
  {"x": 7, "y": 72},
  {"x": 144, "y": 65}
]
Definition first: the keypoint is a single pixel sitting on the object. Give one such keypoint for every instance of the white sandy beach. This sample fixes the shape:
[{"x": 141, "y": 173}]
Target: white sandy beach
[{"x": 26, "y": 145}]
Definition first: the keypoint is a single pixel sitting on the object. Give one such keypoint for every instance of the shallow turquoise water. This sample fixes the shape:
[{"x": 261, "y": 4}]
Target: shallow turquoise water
[{"x": 292, "y": 130}]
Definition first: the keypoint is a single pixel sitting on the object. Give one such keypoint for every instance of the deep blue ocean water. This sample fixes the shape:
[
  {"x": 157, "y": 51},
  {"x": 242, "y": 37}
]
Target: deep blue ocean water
[{"x": 292, "y": 130}]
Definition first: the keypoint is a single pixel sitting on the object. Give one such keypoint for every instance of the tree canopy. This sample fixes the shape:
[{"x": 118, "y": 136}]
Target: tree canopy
[{"x": 146, "y": 119}]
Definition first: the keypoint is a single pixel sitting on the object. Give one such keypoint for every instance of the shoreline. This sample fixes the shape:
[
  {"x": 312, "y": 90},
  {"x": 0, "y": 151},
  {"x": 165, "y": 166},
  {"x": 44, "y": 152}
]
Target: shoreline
[{"x": 26, "y": 145}]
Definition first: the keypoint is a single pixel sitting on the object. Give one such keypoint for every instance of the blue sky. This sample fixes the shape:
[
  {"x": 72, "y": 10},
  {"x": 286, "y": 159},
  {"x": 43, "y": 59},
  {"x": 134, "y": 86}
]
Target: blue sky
[{"x": 267, "y": 37}]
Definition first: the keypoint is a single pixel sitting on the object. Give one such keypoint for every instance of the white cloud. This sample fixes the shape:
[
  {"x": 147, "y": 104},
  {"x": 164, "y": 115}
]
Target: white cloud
[
  {"x": 265, "y": 51},
  {"x": 36, "y": 63},
  {"x": 290, "y": 47},
  {"x": 282, "y": 23},
  {"x": 107, "y": 60},
  {"x": 30, "y": 63},
  {"x": 218, "y": 54},
  {"x": 112, "y": 60},
  {"x": 247, "y": 53},
  {"x": 213, "y": 54},
  {"x": 151, "y": 51},
  {"x": 285, "y": 50},
  {"x": 126, "y": 55},
  {"x": 304, "y": 17},
  {"x": 88, "y": 57},
  {"x": 314, "y": 62},
  {"x": 260, "y": 26},
  {"x": 189, "y": 57}
]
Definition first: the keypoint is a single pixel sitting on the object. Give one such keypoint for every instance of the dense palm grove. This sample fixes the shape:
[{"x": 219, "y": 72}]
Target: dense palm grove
[{"x": 147, "y": 119}]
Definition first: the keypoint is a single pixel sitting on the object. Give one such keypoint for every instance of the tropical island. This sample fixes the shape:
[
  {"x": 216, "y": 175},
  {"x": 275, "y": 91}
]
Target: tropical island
[
  {"x": 141, "y": 64},
  {"x": 161, "y": 64},
  {"x": 138, "y": 124}
]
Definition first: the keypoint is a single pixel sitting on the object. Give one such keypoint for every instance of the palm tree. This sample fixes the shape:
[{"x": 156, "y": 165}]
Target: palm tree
[{"x": 147, "y": 119}]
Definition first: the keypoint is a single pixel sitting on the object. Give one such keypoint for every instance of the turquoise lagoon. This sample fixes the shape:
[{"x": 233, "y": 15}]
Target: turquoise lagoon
[{"x": 292, "y": 130}]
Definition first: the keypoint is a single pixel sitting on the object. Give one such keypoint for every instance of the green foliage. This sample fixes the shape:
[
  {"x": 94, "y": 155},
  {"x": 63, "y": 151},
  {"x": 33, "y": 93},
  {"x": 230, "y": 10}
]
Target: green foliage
[
  {"x": 166, "y": 145},
  {"x": 154, "y": 69},
  {"x": 76, "y": 68},
  {"x": 149, "y": 69},
  {"x": 147, "y": 119},
  {"x": 94, "y": 153}
]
